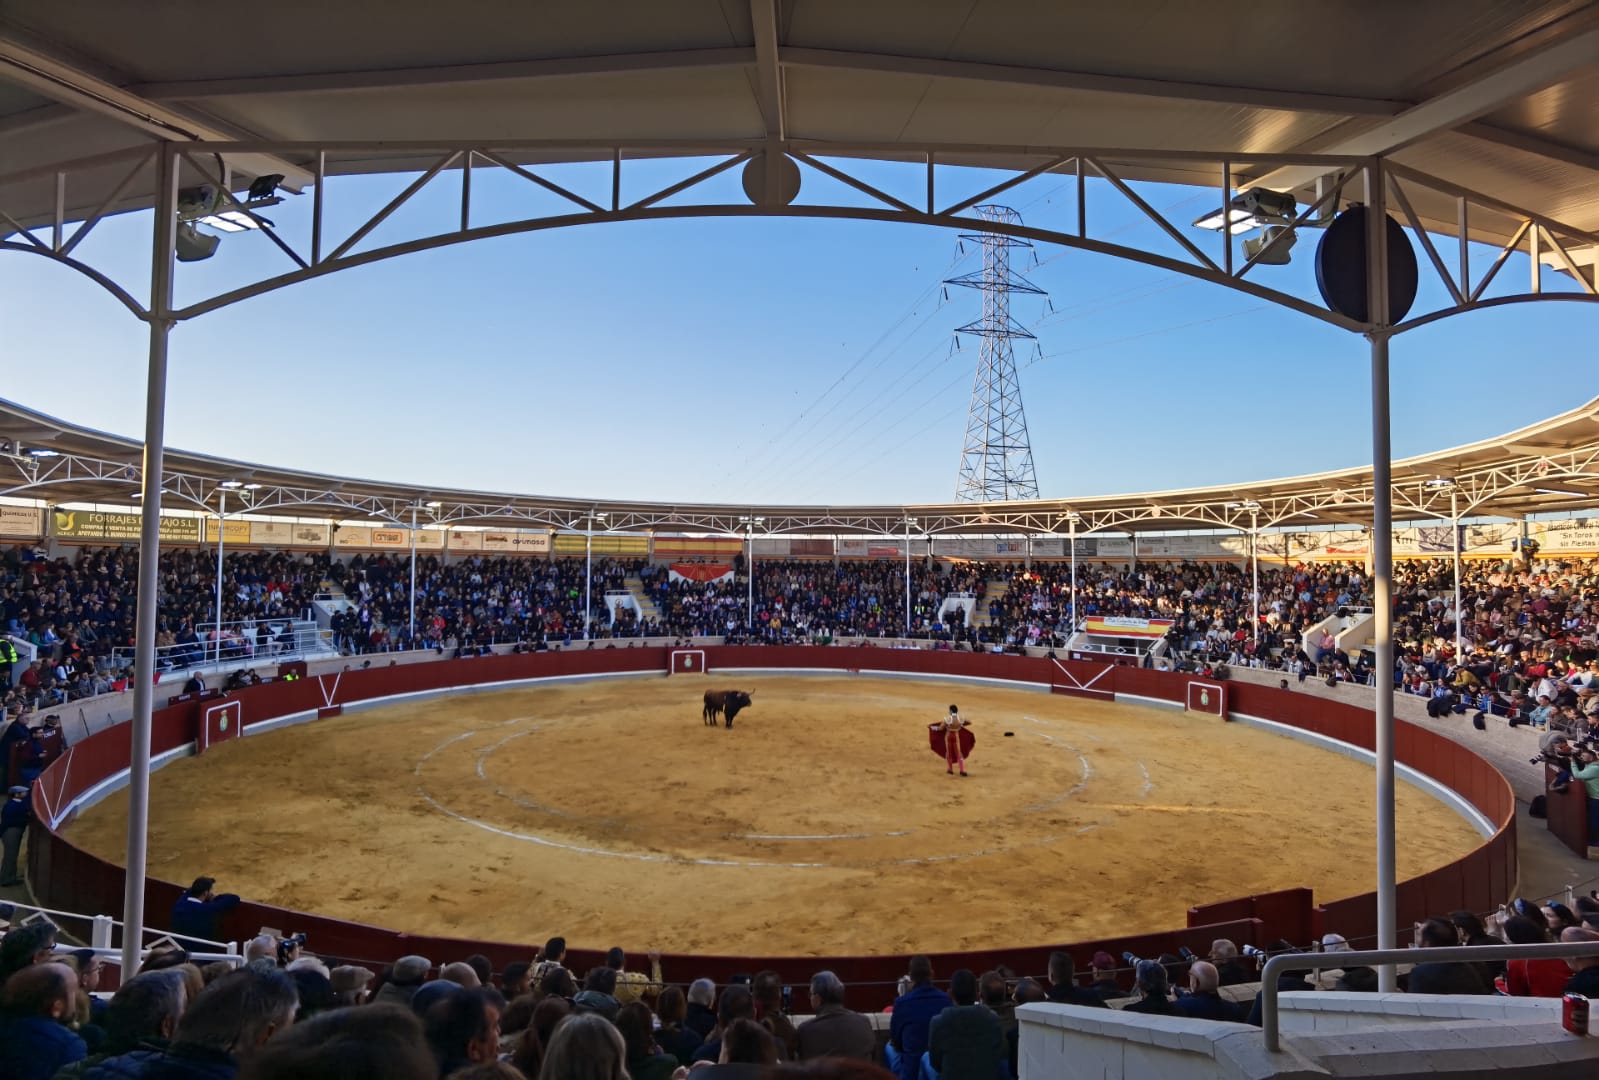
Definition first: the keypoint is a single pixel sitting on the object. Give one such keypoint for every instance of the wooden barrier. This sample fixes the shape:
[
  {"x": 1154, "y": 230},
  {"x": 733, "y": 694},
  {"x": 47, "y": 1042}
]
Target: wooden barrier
[
  {"x": 1567, "y": 812},
  {"x": 67, "y": 878}
]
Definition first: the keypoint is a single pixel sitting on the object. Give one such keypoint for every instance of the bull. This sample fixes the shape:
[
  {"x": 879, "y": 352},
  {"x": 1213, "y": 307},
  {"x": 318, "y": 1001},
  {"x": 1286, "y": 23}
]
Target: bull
[{"x": 718, "y": 702}]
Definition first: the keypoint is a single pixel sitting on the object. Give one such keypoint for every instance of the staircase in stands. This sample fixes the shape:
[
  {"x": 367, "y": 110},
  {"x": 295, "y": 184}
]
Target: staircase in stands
[
  {"x": 641, "y": 597},
  {"x": 996, "y": 590}
]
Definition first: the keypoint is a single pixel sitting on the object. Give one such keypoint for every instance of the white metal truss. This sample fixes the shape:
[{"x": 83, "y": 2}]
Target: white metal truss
[
  {"x": 1209, "y": 257},
  {"x": 73, "y": 477}
]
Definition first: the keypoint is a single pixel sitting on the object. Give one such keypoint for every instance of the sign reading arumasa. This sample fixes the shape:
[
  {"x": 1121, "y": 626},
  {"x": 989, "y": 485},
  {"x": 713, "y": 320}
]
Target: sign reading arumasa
[{"x": 1124, "y": 626}]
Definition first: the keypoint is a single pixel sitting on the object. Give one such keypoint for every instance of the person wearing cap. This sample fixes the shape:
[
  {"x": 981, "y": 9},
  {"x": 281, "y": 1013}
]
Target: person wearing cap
[
  {"x": 350, "y": 983},
  {"x": 14, "y": 818},
  {"x": 408, "y": 973},
  {"x": 1102, "y": 970},
  {"x": 1224, "y": 954},
  {"x": 198, "y": 912},
  {"x": 1154, "y": 991}
]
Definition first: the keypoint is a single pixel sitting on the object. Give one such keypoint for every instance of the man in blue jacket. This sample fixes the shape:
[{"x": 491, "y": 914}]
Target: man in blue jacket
[
  {"x": 913, "y": 1017},
  {"x": 198, "y": 912},
  {"x": 14, "y": 815},
  {"x": 34, "y": 1041}
]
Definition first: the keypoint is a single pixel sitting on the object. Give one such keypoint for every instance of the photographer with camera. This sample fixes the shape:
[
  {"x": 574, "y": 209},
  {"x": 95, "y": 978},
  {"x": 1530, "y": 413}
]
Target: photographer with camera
[{"x": 1585, "y": 767}]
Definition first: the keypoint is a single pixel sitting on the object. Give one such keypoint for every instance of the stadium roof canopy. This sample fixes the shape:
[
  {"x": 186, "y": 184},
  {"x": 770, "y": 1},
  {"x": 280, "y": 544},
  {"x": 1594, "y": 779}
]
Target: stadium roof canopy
[
  {"x": 1489, "y": 102},
  {"x": 1552, "y": 466}
]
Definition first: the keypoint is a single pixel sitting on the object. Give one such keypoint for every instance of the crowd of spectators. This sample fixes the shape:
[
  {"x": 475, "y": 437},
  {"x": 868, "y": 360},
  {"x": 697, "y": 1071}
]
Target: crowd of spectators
[{"x": 287, "y": 1014}]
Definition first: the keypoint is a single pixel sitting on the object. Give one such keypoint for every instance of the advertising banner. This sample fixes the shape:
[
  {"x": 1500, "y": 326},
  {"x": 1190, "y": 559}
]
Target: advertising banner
[
  {"x": 521, "y": 542},
  {"x": 237, "y": 532},
  {"x": 21, "y": 521},
  {"x": 1574, "y": 536},
  {"x": 1197, "y": 547},
  {"x": 1126, "y": 626},
  {"x": 671, "y": 547},
  {"x": 288, "y": 533},
  {"x": 104, "y": 525},
  {"x": 460, "y": 540},
  {"x": 1104, "y": 547},
  {"x": 353, "y": 536},
  {"x": 700, "y": 571}
]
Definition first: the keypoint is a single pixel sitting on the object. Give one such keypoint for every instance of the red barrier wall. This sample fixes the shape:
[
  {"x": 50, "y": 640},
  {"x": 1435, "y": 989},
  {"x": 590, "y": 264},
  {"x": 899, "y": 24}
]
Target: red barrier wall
[
  {"x": 1567, "y": 812},
  {"x": 66, "y": 878}
]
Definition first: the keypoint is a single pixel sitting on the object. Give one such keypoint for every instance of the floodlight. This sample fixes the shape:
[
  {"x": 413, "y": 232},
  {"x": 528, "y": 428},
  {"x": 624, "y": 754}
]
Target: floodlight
[
  {"x": 41, "y": 452},
  {"x": 194, "y": 245},
  {"x": 432, "y": 505},
  {"x": 252, "y": 487},
  {"x": 1239, "y": 221},
  {"x": 1440, "y": 483},
  {"x": 1280, "y": 251},
  {"x": 234, "y": 221},
  {"x": 231, "y": 484}
]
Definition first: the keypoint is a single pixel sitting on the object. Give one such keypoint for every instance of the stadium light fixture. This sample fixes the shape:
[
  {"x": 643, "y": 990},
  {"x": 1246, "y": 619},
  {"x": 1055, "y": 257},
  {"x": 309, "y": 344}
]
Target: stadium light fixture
[
  {"x": 252, "y": 487},
  {"x": 1249, "y": 210},
  {"x": 433, "y": 505},
  {"x": 40, "y": 452},
  {"x": 231, "y": 485},
  {"x": 1440, "y": 483}
]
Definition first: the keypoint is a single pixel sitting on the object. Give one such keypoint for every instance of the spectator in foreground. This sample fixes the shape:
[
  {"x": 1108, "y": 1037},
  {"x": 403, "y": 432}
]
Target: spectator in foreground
[
  {"x": 1585, "y": 969},
  {"x": 1154, "y": 991},
  {"x": 1063, "y": 988},
  {"x": 700, "y": 1017},
  {"x": 381, "y": 1042},
  {"x": 645, "y": 1061},
  {"x": 1546, "y": 977},
  {"x": 585, "y": 1047},
  {"x": 1203, "y": 1001},
  {"x": 405, "y": 976},
  {"x": 1433, "y": 977},
  {"x": 225, "y": 1025},
  {"x": 913, "y": 1018},
  {"x": 736, "y": 1004},
  {"x": 598, "y": 994},
  {"x": 463, "y": 1028},
  {"x": 965, "y": 1041},
  {"x": 26, "y": 945},
  {"x": 767, "y": 990},
  {"x": 34, "y": 1039},
  {"x": 1102, "y": 973},
  {"x": 143, "y": 1015},
  {"x": 547, "y": 1016},
  {"x": 748, "y": 1051},
  {"x": 1224, "y": 954},
  {"x": 674, "y": 1035},
  {"x": 833, "y": 1030}
]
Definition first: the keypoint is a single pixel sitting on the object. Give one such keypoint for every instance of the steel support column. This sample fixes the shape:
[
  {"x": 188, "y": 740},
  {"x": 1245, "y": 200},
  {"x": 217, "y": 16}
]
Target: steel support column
[
  {"x": 222, "y": 528},
  {"x": 411, "y": 640},
  {"x": 1454, "y": 529},
  {"x": 1382, "y": 564},
  {"x": 162, "y": 246},
  {"x": 1071, "y": 533}
]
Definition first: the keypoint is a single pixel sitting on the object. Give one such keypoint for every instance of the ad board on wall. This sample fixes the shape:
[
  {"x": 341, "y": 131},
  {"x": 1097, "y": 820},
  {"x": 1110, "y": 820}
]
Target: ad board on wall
[
  {"x": 237, "y": 532},
  {"x": 289, "y": 533},
  {"x": 24, "y": 521},
  {"x": 108, "y": 525},
  {"x": 1572, "y": 536}
]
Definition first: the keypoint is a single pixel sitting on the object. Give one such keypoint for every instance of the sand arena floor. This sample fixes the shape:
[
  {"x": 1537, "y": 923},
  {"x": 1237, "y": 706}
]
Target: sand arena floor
[{"x": 820, "y": 824}]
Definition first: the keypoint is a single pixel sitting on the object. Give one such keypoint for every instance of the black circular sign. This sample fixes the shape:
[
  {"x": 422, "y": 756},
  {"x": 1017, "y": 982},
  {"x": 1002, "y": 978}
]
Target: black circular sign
[{"x": 1341, "y": 267}]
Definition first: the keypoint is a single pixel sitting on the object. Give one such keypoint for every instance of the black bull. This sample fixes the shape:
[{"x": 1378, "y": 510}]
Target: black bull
[{"x": 719, "y": 701}]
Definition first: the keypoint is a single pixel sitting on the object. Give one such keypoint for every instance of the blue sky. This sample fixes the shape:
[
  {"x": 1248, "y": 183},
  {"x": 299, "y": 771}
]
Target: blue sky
[{"x": 758, "y": 360}]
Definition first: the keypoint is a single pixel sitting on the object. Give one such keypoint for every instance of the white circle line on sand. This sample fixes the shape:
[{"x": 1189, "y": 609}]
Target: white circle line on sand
[{"x": 544, "y": 841}]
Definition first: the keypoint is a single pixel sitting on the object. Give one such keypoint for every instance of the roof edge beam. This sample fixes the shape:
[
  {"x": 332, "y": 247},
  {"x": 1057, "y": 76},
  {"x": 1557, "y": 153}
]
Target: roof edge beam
[
  {"x": 1528, "y": 74},
  {"x": 1055, "y": 79},
  {"x": 547, "y": 68},
  {"x": 70, "y": 86},
  {"x": 768, "y": 75}
]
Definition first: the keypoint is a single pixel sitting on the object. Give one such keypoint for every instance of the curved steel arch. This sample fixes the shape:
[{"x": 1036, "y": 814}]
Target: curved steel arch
[
  {"x": 706, "y": 211},
  {"x": 140, "y": 312},
  {"x": 1479, "y": 305}
]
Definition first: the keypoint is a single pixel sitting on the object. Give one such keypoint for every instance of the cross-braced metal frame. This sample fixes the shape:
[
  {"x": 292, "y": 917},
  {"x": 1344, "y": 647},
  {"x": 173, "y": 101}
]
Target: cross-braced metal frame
[{"x": 1382, "y": 182}]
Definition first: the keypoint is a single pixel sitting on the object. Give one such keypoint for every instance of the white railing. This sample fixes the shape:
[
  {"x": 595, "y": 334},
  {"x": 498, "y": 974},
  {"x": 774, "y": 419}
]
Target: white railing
[
  {"x": 1454, "y": 954},
  {"x": 103, "y": 928},
  {"x": 304, "y": 639}
]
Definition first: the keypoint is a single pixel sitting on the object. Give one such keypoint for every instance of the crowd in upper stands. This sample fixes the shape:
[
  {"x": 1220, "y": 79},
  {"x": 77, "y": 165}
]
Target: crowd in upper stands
[
  {"x": 1524, "y": 624},
  {"x": 286, "y": 1013}
]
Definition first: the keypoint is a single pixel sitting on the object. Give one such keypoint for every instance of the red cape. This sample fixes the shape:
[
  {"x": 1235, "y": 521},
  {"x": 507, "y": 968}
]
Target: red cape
[{"x": 935, "y": 740}]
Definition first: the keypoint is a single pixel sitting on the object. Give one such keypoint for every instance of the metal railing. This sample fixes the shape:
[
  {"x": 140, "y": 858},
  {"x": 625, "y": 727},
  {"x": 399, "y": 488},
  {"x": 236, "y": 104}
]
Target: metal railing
[
  {"x": 304, "y": 639},
  {"x": 1478, "y": 954}
]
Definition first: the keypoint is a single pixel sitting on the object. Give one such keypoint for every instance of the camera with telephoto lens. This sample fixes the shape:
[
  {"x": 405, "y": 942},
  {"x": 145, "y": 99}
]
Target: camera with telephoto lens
[
  {"x": 286, "y": 947},
  {"x": 1130, "y": 960},
  {"x": 1187, "y": 954},
  {"x": 1254, "y": 953}
]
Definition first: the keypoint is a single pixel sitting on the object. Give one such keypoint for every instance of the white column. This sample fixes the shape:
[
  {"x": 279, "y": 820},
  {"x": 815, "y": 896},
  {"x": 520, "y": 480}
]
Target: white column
[
  {"x": 411, "y": 642},
  {"x": 588, "y": 576},
  {"x": 155, "y": 403},
  {"x": 222, "y": 528},
  {"x": 1454, "y": 528},
  {"x": 1254, "y": 572},
  {"x": 907, "y": 577},
  {"x": 1382, "y": 565},
  {"x": 749, "y": 575},
  {"x": 1071, "y": 533}
]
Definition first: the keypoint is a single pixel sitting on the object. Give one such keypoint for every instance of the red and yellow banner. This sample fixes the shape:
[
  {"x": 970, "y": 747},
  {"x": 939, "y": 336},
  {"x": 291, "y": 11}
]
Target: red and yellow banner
[
  {"x": 701, "y": 571},
  {"x": 677, "y": 547},
  {"x": 1125, "y": 626}
]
